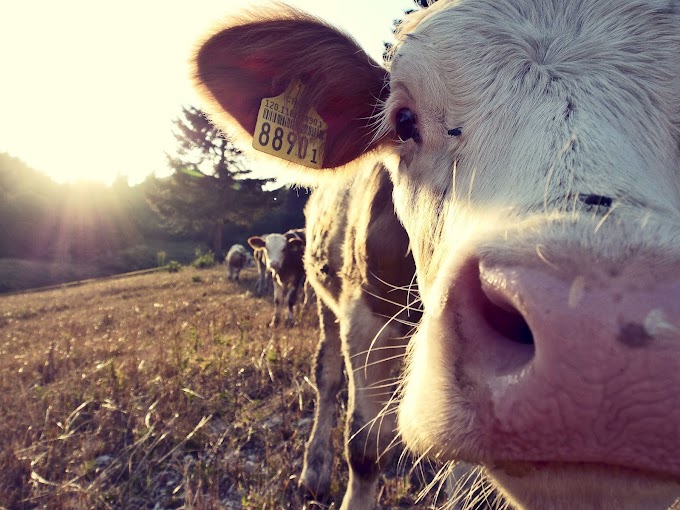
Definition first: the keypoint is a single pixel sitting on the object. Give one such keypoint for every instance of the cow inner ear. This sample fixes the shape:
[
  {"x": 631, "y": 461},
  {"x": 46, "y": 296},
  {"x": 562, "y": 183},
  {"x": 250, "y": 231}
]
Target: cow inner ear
[
  {"x": 261, "y": 57},
  {"x": 256, "y": 242}
]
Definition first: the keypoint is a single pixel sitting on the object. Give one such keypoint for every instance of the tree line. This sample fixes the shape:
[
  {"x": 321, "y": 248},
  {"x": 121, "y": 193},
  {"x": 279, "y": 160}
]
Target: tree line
[{"x": 210, "y": 201}]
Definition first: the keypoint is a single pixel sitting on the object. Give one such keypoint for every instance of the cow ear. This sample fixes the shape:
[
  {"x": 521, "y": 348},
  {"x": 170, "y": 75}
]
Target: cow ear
[
  {"x": 260, "y": 57},
  {"x": 256, "y": 242},
  {"x": 296, "y": 244},
  {"x": 291, "y": 235}
]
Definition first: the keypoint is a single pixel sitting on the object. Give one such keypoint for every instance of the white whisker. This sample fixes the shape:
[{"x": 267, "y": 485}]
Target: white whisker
[
  {"x": 606, "y": 215},
  {"x": 377, "y": 362},
  {"x": 374, "y": 349}
]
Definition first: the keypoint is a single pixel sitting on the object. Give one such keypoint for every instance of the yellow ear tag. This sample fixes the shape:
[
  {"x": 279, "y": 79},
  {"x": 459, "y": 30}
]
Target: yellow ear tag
[{"x": 274, "y": 132}]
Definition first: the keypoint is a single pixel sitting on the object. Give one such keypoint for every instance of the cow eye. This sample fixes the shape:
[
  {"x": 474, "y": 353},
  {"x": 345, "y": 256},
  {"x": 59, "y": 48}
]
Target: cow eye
[{"x": 407, "y": 126}]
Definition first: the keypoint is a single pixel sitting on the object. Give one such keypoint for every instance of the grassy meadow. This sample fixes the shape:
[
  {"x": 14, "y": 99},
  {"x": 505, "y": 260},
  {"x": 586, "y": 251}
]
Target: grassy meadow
[{"x": 162, "y": 391}]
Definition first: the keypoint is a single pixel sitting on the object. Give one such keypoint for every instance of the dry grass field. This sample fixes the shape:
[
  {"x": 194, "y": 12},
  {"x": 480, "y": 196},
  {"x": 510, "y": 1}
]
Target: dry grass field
[{"x": 162, "y": 391}]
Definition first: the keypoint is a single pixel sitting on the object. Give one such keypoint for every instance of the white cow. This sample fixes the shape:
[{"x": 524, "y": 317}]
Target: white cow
[
  {"x": 282, "y": 257},
  {"x": 237, "y": 259},
  {"x": 359, "y": 262},
  {"x": 534, "y": 148}
]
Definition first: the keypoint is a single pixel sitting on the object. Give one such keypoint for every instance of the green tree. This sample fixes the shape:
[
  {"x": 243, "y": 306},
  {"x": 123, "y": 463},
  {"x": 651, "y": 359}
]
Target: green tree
[{"x": 210, "y": 187}]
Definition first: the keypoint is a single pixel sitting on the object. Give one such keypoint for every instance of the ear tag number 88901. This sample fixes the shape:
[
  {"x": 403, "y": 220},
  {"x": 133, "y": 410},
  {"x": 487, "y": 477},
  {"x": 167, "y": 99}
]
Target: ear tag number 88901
[{"x": 274, "y": 133}]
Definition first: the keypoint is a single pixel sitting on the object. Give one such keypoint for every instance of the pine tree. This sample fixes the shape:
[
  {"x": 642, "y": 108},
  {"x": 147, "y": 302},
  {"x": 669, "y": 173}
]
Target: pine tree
[{"x": 211, "y": 186}]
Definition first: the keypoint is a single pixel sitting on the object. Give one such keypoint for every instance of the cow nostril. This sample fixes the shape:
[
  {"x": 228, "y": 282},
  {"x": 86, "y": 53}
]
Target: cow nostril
[
  {"x": 490, "y": 320},
  {"x": 505, "y": 319}
]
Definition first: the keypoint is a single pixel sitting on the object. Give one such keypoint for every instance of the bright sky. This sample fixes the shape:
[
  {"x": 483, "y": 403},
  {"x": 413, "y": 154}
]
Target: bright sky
[{"x": 88, "y": 89}]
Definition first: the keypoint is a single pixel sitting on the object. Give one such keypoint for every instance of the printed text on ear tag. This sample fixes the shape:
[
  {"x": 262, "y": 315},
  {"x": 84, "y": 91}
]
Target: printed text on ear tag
[{"x": 274, "y": 133}]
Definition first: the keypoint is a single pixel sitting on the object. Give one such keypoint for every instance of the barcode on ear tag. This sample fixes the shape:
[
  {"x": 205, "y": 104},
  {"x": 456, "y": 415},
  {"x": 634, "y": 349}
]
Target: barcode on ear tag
[{"x": 274, "y": 133}]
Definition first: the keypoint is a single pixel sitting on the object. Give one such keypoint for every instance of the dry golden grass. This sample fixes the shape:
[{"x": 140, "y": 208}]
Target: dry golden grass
[{"x": 160, "y": 391}]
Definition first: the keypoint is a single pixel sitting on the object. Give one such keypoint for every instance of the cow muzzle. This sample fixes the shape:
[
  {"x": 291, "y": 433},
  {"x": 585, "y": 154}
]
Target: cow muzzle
[{"x": 533, "y": 364}]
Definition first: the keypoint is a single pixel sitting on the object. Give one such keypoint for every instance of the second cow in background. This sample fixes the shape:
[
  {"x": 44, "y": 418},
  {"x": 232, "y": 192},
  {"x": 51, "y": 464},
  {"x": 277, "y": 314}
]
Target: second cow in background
[{"x": 282, "y": 255}]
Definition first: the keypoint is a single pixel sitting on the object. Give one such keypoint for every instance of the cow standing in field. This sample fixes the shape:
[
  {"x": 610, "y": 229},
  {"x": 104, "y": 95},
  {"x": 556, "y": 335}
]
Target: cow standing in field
[
  {"x": 282, "y": 255},
  {"x": 534, "y": 149},
  {"x": 237, "y": 259},
  {"x": 359, "y": 263}
]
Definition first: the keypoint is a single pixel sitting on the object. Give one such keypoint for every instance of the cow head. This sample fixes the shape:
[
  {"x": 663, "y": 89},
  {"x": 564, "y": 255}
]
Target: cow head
[
  {"x": 534, "y": 152},
  {"x": 275, "y": 247}
]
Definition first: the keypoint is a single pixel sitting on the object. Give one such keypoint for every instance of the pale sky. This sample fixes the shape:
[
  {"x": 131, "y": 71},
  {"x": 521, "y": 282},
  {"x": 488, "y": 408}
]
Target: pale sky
[{"x": 88, "y": 88}]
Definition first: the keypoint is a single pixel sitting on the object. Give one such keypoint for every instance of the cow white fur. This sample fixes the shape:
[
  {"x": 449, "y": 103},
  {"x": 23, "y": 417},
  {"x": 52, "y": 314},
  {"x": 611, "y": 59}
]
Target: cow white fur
[
  {"x": 237, "y": 259},
  {"x": 263, "y": 284},
  {"x": 534, "y": 151}
]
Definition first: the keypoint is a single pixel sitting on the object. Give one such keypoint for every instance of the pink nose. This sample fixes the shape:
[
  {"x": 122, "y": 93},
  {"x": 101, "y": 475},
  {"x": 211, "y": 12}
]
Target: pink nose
[{"x": 577, "y": 368}]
